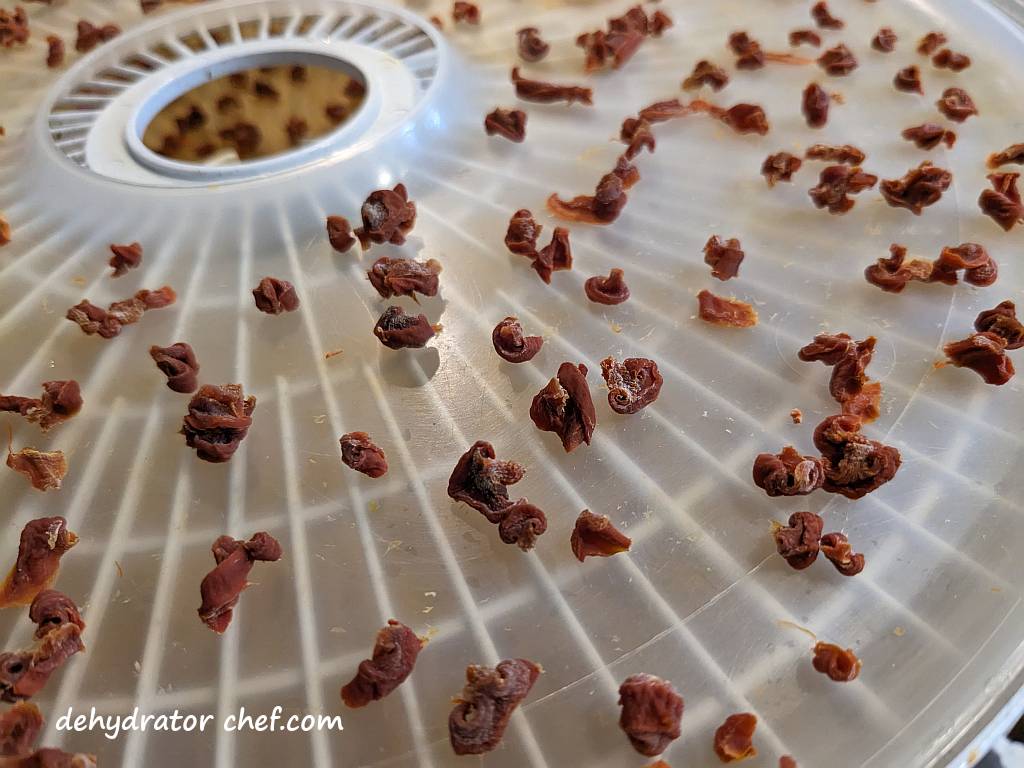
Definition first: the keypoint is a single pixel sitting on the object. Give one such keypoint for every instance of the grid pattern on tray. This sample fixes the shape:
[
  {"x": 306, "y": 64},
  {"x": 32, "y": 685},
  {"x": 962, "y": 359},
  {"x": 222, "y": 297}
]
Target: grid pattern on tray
[{"x": 683, "y": 508}]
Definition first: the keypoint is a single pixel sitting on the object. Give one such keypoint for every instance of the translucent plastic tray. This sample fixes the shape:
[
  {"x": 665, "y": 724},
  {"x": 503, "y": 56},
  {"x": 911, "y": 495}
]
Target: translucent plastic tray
[{"x": 701, "y": 598}]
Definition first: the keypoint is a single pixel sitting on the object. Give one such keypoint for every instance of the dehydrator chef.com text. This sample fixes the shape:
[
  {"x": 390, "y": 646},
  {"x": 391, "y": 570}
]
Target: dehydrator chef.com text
[{"x": 276, "y": 721}]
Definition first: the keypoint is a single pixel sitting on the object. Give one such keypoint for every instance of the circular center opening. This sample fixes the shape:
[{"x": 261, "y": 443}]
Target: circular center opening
[{"x": 254, "y": 109}]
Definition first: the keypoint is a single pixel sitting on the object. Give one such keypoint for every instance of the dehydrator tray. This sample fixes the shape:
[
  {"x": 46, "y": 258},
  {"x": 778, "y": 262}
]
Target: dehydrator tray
[{"x": 701, "y": 598}]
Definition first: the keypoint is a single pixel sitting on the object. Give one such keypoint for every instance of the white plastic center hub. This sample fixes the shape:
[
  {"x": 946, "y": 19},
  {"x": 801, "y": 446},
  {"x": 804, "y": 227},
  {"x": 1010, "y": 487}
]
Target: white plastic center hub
[
  {"x": 98, "y": 112},
  {"x": 158, "y": 92}
]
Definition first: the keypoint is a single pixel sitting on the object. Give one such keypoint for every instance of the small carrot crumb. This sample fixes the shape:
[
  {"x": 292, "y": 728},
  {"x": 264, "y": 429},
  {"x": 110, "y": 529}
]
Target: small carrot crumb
[{"x": 787, "y": 624}]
